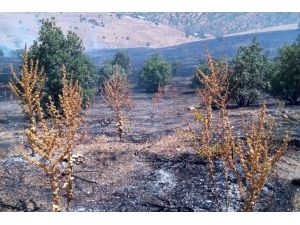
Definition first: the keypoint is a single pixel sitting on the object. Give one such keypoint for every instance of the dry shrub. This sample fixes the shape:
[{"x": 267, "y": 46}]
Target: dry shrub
[
  {"x": 214, "y": 93},
  {"x": 53, "y": 139},
  {"x": 157, "y": 98},
  {"x": 249, "y": 159},
  {"x": 116, "y": 95},
  {"x": 28, "y": 88}
]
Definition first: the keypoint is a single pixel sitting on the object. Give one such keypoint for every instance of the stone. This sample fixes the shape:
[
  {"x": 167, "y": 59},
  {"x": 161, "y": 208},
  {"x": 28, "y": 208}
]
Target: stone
[{"x": 191, "y": 108}]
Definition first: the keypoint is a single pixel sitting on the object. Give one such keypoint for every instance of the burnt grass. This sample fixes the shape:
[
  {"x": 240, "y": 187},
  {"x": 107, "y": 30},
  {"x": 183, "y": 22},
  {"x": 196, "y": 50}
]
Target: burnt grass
[{"x": 151, "y": 169}]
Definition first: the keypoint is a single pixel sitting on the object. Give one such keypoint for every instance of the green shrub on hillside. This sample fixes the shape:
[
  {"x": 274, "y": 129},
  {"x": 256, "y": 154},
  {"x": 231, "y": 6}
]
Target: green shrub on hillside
[
  {"x": 202, "y": 66},
  {"x": 53, "y": 49},
  {"x": 107, "y": 70},
  {"x": 156, "y": 72},
  {"x": 122, "y": 59},
  {"x": 251, "y": 73},
  {"x": 285, "y": 82}
]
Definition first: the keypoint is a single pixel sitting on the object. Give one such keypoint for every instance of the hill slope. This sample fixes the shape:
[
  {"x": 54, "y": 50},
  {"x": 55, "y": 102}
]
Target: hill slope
[
  {"x": 218, "y": 24},
  {"x": 188, "y": 54},
  {"x": 98, "y": 30}
]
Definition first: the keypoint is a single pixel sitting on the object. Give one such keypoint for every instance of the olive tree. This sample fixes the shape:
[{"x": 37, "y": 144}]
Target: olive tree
[
  {"x": 156, "y": 73},
  {"x": 251, "y": 71}
]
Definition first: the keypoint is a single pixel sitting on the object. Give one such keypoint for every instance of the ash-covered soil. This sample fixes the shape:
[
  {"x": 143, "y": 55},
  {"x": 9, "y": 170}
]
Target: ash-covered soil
[{"x": 152, "y": 169}]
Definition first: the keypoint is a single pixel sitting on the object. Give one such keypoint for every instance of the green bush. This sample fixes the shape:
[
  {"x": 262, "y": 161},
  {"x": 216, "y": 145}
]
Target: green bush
[
  {"x": 251, "y": 73},
  {"x": 156, "y": 72},
  {"x": 122, "y": 59},
  {"x": 107, "y": 70},
  {"x": 175, "y": 65},
  {"x": 53, "y": 49},
  {"x": 285, "y": 82},
  {"x": 203, "y": 67}
]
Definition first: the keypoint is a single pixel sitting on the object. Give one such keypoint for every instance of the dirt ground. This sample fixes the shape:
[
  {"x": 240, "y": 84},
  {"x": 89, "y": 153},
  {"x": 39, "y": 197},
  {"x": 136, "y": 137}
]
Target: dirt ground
[{"x": 152, "y": 169}]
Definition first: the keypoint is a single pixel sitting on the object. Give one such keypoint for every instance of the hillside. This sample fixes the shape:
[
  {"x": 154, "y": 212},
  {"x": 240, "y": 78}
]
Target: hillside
[
  {"x": 105, "y": 33},
  {"x": 98, "y": 30},
  {"x": 217, "y": 24},
  {"x": 133, "y": 30},
  {"x": 189, "y": 54}
]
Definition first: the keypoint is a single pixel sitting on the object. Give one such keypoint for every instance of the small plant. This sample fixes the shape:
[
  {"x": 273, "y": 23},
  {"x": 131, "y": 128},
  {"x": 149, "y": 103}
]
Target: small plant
[
  {"x": 53, "y": 139},
  {"x": 116, "y": 95},
  {"x": 157, "y": 98},
  {"x": 175, "y": 95}
]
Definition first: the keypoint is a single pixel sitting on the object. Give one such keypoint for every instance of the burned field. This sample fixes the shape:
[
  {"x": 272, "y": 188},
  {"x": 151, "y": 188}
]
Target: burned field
[{"x": 153, "y": 168}]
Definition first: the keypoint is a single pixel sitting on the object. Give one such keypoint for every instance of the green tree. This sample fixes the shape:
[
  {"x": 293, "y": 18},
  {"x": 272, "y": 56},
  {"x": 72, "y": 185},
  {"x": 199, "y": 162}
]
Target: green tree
[
  {"x": 202, "y": 66},
  {"x": 122, "y": 59},
  {"x": 156, "y": 72},
  {"x": 107, "y": 70},
  {"x": 251, "y": 71},
  {"x": 53, "y": 49},
  {"x": 175, "y": 66},
  {"x": 285, "y": 82}
]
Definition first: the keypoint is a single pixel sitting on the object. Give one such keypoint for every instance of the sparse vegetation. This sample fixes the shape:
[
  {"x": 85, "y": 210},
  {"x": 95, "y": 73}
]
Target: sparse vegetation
[
  {"x": 82, "y": 18},
  {"x": 249, "y": 159},
  {"x": 94, "y": 22},
  {"x": 156, "y": 72},
  {"x": 116, "y": 95},
  {"x": 189, "y": 148},
  {"x": 218, "y": 23},
  {"x": 157, "y": 98}
]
